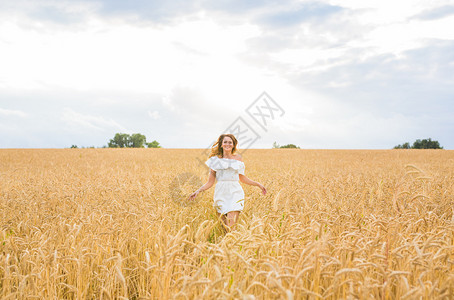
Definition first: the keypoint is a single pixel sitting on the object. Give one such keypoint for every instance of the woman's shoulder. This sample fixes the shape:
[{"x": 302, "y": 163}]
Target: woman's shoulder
[
  {"x": 238, "y": 157},
  {"x": 219, "y": 163},
  {"x": 234, "y": 157}
]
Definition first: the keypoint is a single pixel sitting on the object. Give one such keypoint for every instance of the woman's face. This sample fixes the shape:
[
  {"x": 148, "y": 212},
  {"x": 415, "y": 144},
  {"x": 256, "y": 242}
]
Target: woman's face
[{"x": 227, "y": 144}]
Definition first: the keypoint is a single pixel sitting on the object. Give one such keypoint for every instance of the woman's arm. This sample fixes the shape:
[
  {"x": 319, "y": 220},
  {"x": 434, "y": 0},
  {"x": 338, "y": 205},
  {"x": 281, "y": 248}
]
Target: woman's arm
[
  {"x": 206, "y": 186},
  {"x": 246, "y": 180}
]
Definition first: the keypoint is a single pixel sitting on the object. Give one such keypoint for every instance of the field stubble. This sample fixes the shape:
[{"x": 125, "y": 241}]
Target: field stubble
[{"x": 108, "y": 224}]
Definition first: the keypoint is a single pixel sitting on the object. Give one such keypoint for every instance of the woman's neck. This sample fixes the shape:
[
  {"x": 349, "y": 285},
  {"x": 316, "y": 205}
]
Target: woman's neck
[{"x": 227, "y": 154}]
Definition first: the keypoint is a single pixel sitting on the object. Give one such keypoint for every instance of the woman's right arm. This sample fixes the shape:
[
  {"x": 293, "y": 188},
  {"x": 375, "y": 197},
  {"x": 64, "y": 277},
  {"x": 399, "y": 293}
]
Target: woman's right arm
[{"x": 206, "y": 186}]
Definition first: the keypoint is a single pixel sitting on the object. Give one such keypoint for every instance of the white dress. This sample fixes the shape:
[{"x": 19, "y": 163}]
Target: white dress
[{"x": 228, "y": 193}]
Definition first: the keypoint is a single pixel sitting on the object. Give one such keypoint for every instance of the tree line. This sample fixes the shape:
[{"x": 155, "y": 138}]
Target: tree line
[
  {"x": 135, "y": 140},
  {"x": 276, "y": 146},
  {"x": 420, "y": 144},
  {"x": 124, "y": 140},
  {"x": 138, "y": 140}
]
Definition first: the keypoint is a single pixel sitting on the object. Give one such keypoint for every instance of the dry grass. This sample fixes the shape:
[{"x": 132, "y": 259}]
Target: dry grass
[{"x": 102, "y": 224}]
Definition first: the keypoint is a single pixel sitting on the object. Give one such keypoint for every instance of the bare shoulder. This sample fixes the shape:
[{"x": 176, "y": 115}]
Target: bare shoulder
[{"x": 238, "y": 157}]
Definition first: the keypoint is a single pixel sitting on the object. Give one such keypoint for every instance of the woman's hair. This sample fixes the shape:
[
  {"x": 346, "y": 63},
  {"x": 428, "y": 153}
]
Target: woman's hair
[{"x": 216, "y": 149}]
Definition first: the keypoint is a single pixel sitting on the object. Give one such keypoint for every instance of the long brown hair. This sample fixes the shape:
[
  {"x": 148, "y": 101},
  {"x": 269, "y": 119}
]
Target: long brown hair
[{"x": 216, "y": 149}]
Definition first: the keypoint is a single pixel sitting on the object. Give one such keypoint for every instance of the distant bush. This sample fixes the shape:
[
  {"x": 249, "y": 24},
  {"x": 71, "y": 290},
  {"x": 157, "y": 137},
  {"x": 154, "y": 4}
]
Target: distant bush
[
  {"x": 420, "y": 144},
  {"x": 135, "y": 140},
  {"x": 276, "y": 145},
  {"x": 153, "y": 144},
  {"x": 290, "y": 146}
]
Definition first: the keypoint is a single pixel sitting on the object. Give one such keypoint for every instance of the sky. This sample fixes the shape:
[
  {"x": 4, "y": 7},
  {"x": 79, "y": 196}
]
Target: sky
[{"x": 350, "y": 74}]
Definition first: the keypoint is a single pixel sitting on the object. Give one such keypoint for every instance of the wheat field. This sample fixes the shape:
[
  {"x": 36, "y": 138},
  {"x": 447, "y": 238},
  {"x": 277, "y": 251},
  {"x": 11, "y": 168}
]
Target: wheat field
[{"x": 335, "y": 224}]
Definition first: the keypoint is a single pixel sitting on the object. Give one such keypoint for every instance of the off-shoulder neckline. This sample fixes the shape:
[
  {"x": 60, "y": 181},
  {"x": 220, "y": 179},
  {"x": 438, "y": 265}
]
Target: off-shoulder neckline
[{"x": 227, "y": 158}]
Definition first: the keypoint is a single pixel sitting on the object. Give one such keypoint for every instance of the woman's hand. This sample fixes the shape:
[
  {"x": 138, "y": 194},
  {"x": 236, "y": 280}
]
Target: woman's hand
[
  {"x": 206, "y": 186},
  {"x": 262, "y": 188},
  {"x": 193, "y": 195}
]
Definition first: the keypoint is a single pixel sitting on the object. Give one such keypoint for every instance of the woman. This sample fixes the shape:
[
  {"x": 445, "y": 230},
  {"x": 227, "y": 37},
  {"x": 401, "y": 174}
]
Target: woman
[{"x": 227, "y": 167}]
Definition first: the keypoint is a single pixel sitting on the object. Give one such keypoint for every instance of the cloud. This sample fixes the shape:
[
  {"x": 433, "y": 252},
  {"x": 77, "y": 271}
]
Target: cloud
[
  {"x": 82, "y": 122},
  {"x": 168, "y": 12},
  {"x": 188, "y": 50},
  {"x": 12, "y": 112},
  {"x": 154, "y": 114},
  {"x": 52, "y": 12},
  {"x": 157, "y": 11},
  {"x": 436, "y": 13},
  {"x": 370, "y": 100},
  {"x": 77, "y": 12},
  {"x": 316, "y": 31},
  {"x": 61, "y": 13},
  {"x": 242, "y": 7},
  {"x": 189, "y": 103},
  {"x": 305, "y": 12},
  {"x": 415, "y": 76}
]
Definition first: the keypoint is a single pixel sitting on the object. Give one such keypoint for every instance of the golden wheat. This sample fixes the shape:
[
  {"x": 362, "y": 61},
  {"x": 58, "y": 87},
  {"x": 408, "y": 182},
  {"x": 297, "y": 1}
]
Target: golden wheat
[{"x": 116, "y": 224}]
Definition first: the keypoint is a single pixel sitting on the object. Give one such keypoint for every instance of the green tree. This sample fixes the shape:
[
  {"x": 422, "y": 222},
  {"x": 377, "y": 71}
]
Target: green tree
[
  {"x": 426, "y": 144},
  {"x": 290, "y": 146},
  {"x": 276, "y": 145},
  {"x": 403, "y": 146},
  {"x": 120, "y": 140},
  {"x": 420, "y": 144},
  {"x": 137, "y": 140},
  {"x": 153, "y": 144}
]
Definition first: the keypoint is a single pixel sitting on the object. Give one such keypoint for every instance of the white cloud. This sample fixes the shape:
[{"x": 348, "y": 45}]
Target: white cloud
[
  {"x": 13, "y": 112},
  {"x": 82, "y": 122},
  {"x": 154, "y": 114}
]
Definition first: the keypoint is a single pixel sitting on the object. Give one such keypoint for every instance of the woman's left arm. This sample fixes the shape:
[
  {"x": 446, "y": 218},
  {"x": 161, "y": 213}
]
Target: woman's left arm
[{"x": 244, "y": 179}]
